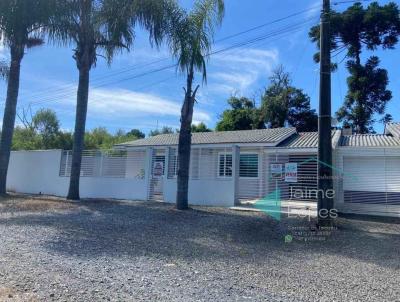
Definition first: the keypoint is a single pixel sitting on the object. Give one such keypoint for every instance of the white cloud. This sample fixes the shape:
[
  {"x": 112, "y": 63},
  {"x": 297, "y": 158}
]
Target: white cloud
[
  {"x": 117, "y": 103},
  {"x": 240, "y": 69},
  {"x": 249, "y": 56},
  {"x": 240, "y": 81}
]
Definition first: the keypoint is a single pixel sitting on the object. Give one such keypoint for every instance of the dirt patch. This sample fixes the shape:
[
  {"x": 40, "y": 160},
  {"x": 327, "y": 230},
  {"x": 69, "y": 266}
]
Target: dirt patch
[
  {"x": 10, "y": 295},
  {"x": 13, "y": 203}
]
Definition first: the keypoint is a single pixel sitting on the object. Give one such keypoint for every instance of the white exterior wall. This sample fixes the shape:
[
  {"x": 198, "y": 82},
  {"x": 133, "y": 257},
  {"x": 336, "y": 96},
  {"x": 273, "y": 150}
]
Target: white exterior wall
[
  {"x": 35, "y": 172},
  {"x": 203, "y": 192},
  {"x": 205, "y": 187},
  {"x": 371, "y": 176}
]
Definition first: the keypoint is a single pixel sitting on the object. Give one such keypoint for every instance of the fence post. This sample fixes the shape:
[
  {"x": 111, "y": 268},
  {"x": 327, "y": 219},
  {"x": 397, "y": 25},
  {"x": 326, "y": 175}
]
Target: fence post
[
  {"x": 101, "y": 164},
  {"x": 148, "y": 170},
  {"x": 235, "y": 172},
  {"x": 66, "y": 163}
]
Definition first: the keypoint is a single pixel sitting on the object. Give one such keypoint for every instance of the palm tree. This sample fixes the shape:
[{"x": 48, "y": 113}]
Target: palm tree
[
  {"x": 4, "y": 70},
  {"x": 101, "y": 28},
  {"x": 21, "y": 27},
  {"x": 191, "y": 44}
]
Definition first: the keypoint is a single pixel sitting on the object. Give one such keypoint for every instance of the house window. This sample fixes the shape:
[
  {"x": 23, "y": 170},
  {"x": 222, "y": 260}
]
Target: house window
[
  {"x": 248, "y": 165},
  {"x": 175, "y": 163},
  {"x": 225, "y": 165}
]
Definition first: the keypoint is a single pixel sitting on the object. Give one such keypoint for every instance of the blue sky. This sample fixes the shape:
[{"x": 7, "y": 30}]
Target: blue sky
[{"x": 118, "y": 100}]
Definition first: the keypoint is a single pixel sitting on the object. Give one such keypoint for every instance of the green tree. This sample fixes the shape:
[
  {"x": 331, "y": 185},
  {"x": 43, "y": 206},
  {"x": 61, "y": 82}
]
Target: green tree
[
  {"x": 21, "y": 24},
  {"x": 40, "y": 131},
  {"x": 201, "y": 127},
  {"x": 135, "y": 133},
  {"x": 25, "y": 139},
  {"x": 300, "y": 114},
  {"x": 164, "y": 130},
  {"x": 98, "y": 138},
  {"x": 284, "y": 105},
  {"x": 353, "y": 30},
  {"x": 367, "y": 95},
  {"x": 191, "y": 41},
  {"x": 95, "y": 27},
  {"x": 47, "y": 125},
  {"x": 123, "y": 137},
  {"x": 243, "y": 115},
  {"x": 64, "y": 140}
]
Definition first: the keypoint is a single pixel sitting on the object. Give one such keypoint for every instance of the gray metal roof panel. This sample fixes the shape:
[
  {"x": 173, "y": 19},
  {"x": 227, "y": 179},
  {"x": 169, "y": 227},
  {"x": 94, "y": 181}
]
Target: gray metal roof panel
[
  {"x": 273, "y": 136},
  {"x": 369, "y": 140},
  {"x": 303, "y": 140},
  {"x": 393, "y": 129}
]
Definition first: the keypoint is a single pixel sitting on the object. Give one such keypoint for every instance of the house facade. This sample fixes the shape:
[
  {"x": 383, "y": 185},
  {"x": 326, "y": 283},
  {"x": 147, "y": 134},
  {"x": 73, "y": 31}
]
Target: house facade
[{"x": 229, "y": 168}]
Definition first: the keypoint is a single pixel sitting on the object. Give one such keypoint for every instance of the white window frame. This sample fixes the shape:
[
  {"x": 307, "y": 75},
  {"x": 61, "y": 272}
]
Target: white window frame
[
  {"x": 219, "y": 163},
  {"x": 175, "y": 166},
  {"x": 258, "y": 164}
]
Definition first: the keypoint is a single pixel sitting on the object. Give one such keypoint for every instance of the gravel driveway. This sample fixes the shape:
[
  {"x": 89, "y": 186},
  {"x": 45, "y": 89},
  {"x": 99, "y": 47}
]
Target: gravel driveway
[{"x": 132, "y": 251}]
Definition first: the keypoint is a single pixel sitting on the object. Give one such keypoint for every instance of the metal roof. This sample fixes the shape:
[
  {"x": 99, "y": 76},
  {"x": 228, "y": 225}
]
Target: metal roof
[
  {"x": 304, "y": 140},
  {"x": 393, "y": 129},
  {"x": 369, "y": 140},
  {"x": 268, "y": 136}
]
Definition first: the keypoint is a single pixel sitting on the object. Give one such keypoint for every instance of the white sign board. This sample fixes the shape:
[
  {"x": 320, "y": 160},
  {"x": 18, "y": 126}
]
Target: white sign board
[
  {"x": 158, "y": 168},
  {"x": 291, "y": 172},
  {"x": 276, "y": 171}
]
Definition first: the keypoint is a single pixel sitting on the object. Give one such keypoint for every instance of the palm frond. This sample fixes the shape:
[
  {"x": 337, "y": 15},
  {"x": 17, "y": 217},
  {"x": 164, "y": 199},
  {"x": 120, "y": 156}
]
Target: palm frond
[
  {"x": 4, "y": 70},
  {"x": 34, "y": 41},
  {"x": 192, "y": 38},
  {"x": 22, "y": 22},
  {"x": 110, "y": 23}
]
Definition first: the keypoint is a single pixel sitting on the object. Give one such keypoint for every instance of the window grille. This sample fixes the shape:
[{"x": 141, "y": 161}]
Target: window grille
[
  {"x": 106, "y": 163},
  {"x": 173, "y": 163},
  {"x": 248, "y": 165},
  {"x": 225, "y": 165},
  {"x": 205, "y": 163}
]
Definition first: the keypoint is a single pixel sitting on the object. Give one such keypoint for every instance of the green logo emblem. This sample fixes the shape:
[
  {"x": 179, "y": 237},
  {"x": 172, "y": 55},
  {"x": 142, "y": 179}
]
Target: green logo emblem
[
  {"x": 288, "y": 238},
  {"x": 271, "y": 204}
]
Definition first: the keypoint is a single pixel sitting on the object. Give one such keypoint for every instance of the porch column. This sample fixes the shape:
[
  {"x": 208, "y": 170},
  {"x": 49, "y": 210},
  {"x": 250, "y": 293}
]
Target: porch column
[
  {"x": 148, "y": 170},
  {"x": 235, "y": 172}
]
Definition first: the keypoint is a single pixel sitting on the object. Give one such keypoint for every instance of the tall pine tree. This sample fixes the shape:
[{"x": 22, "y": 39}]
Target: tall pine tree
[{"x": 352, "y": 31}]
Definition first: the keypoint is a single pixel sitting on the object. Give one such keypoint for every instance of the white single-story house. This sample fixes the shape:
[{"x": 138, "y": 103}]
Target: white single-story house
[{"x": 227, "y": 169}]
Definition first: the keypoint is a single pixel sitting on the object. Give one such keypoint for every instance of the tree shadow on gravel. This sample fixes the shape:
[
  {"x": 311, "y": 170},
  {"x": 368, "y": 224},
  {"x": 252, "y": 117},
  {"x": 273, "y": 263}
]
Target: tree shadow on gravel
[{"x": 119, "y": 229}]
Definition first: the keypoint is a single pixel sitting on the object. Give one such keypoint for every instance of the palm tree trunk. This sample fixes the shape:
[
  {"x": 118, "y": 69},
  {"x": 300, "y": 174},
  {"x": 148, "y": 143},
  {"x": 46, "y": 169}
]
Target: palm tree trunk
[
  {"x": 185, "y": 141},
  {"x": 7, "y": 132},
  {"x": 79, "y": 133}
]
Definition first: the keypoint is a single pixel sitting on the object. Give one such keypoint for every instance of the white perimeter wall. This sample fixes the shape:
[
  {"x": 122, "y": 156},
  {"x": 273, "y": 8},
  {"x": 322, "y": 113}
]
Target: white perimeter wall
[
  {"x": 209, "y": 192},
  {"x": 37, "y": 172}
]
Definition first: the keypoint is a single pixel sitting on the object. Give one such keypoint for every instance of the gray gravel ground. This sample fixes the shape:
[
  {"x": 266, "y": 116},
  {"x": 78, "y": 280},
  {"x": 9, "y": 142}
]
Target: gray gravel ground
[{"x": 132, "y": 251}]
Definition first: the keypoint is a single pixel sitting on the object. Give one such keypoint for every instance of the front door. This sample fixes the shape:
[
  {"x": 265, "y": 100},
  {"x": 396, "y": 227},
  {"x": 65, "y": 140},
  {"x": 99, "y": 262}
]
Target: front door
[{"x": 157, "y": 175}]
